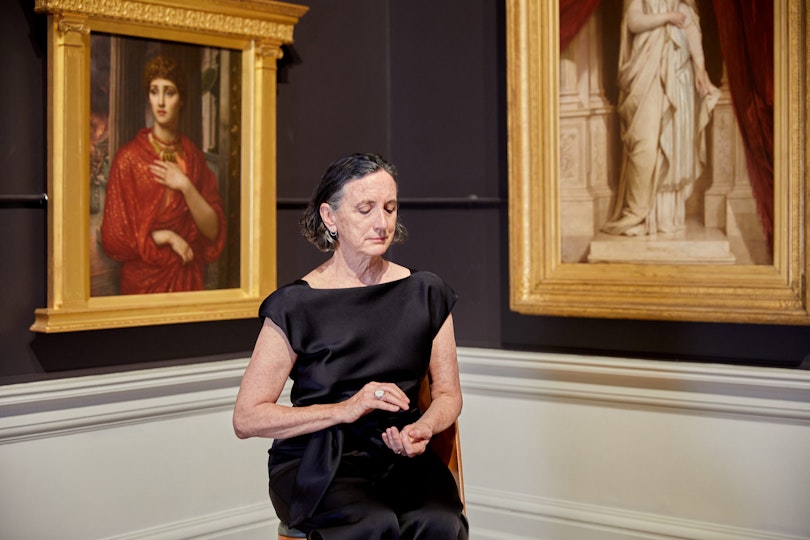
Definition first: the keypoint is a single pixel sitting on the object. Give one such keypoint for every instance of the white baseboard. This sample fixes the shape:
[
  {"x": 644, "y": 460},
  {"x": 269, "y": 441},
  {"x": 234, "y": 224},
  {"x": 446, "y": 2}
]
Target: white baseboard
[
  {"x": 509, "y": 516},
  {"x": 255, "y": 522}
]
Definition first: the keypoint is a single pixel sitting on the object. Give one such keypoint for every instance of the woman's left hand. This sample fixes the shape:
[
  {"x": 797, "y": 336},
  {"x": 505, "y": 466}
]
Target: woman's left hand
[
  {"x": 170, "y": 175},
  {"x": 703, "y": 84},
  {"x": 411, "y": 441}
]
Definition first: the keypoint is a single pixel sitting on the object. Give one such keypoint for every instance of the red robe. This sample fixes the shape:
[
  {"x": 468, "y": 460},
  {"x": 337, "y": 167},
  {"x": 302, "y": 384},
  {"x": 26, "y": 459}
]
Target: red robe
[{"x": 136, "y": 205}]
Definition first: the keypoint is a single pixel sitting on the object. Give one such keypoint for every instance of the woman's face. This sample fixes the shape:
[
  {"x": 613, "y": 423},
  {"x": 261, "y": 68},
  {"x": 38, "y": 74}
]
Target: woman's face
[
  {"x": 165, "y": 102},
  {"x": 366, "y": 218}
]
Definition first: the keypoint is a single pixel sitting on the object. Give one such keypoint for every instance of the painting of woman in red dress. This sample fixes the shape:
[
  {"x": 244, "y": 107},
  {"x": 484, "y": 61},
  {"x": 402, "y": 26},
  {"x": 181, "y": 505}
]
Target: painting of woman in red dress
[{"x": 163, "y": 215}]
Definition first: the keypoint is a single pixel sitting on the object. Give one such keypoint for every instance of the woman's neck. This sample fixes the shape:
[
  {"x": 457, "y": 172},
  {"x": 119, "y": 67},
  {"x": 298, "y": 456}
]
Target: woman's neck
[
  {"x": 163, "y": 134},
  {"x": 340, "y": 272},
  {"x": 365, "y": 271}
]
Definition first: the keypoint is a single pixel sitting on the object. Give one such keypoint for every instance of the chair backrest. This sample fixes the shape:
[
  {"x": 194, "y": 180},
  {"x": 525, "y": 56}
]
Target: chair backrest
[{"x": 446, "y": 444}]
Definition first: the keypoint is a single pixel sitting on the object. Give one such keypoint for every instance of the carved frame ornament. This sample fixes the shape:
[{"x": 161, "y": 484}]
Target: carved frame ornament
[
  {"x": 253, "y": 32},
  {"x": 543, "y": 283}
]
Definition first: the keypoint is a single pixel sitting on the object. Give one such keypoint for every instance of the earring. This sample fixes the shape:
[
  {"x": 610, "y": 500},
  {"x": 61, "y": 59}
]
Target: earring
[{"x": 333, "y": 234}]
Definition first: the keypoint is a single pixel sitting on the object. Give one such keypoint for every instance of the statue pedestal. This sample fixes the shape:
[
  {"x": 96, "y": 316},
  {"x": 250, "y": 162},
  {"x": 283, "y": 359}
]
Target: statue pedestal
[{"x": 695, "y": 245}]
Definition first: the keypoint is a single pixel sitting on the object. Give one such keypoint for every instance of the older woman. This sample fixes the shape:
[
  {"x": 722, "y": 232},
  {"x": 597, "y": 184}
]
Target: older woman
[
  {"x": 357, "y": 334},
  {"x": 163, "y": 217}
]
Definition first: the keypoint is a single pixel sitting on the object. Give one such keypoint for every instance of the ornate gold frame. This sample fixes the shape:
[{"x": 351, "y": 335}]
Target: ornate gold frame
[
  {"x": 257, "y": 28},
  {"x": 540, "y": 283}
]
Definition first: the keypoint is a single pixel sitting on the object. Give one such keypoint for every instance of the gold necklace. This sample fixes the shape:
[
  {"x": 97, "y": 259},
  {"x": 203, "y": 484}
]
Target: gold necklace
[{"x": 166, "y": 151}]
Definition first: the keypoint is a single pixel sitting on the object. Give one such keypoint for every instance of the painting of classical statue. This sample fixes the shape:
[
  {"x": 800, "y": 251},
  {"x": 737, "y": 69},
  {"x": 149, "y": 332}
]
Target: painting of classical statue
[
  {"x": 666, "y": 152},
  {"x": 164, "y": 167}
]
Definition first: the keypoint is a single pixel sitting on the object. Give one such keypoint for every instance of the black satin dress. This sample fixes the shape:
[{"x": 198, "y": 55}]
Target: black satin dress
[{"x": 343, "y": 482}]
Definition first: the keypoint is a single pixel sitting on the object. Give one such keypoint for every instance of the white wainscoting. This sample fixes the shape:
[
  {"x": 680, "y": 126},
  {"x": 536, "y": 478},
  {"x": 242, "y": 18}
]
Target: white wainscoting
[
  {"x": 555, "y": 447},
  {"x": 140, "y": 455},
  {"x": 568, "y": 447}
]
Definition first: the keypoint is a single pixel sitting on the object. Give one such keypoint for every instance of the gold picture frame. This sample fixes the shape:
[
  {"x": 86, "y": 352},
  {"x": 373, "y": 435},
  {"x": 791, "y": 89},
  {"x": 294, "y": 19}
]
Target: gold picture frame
[
  {"x": 254, "y": 31},
  {"x": 542, "y": 283}
]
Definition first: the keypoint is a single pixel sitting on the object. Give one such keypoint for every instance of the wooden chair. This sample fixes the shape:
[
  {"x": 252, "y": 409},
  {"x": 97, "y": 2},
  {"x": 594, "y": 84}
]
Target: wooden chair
[{"x": 446, "y": 444}]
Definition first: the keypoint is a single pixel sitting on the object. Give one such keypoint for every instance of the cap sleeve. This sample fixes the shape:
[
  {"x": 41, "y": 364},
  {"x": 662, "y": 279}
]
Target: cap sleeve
[
  {"x": 279, "y": 305},
  {"x": 441, "y": 299}
]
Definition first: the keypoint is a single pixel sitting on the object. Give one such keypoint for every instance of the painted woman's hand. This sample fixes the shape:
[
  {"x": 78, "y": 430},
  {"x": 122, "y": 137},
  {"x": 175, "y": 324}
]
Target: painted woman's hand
[
  {"x": 703, "y": 84},
  {"x": 170, "y": 175},
  {"x": 677, "y": 18},
  {"x": 162, "y": 237}
]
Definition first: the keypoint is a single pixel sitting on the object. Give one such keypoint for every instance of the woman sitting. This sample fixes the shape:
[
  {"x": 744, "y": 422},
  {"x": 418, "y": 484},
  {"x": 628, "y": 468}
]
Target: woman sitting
[{"x": 357, "y": 335}]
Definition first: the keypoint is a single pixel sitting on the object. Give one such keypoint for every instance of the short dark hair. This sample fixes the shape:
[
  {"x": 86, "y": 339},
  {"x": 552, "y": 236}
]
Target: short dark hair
[
  {"x": 164, "y": 67},
  {"x": 330, "y": 190}
]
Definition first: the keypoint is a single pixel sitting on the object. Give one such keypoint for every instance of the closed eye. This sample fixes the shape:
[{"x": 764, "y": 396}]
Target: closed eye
[{"x": 366, "y": 208}]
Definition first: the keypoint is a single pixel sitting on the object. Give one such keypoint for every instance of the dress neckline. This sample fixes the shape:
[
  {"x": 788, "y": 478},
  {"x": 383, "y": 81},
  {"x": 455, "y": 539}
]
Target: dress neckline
[{"x": 393, "y": 281}]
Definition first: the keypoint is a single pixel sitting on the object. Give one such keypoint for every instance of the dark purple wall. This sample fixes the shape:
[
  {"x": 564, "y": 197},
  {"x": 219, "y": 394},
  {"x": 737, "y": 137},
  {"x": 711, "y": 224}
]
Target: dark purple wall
[{"x": 422, "y": 82}]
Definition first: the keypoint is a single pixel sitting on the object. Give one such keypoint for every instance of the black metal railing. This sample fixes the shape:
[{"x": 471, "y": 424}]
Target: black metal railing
[{"x": 24, "y": 201}]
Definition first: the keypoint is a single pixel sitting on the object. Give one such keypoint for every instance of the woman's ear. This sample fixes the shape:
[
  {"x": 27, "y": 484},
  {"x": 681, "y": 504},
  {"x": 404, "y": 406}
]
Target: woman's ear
[{"x": 327, "y": 215}]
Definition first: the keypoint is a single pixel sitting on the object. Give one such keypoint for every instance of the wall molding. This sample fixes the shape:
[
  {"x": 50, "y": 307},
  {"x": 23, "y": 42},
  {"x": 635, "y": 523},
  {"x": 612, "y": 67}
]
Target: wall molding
[
  {"x": 770, "y": 393},
  {"x": 58, "y": 407}
]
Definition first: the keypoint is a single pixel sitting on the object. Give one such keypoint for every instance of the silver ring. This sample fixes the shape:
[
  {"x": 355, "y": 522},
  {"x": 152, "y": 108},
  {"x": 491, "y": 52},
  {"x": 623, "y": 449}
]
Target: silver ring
[{"x": 378, "y": 394}]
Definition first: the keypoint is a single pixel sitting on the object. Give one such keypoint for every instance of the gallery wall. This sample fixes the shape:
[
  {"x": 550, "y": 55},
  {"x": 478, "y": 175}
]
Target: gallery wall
[{"x": 422, "y": 82}]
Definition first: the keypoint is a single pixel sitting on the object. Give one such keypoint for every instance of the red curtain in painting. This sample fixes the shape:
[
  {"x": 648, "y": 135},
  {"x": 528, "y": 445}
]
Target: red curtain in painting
[
  {"x": 746, "y": 41},
  {"x": 573, "y": 14}
]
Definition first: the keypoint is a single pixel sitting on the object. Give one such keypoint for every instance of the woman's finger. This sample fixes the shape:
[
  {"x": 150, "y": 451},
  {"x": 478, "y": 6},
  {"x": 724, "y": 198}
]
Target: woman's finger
[
  {"x": 388, "y": 393},
  {"x": 393, "y": 440}
]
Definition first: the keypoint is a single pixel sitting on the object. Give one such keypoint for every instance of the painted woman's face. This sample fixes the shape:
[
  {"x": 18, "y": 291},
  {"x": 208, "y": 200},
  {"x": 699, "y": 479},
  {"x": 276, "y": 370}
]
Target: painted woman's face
[{"x": 165, "y": 102}]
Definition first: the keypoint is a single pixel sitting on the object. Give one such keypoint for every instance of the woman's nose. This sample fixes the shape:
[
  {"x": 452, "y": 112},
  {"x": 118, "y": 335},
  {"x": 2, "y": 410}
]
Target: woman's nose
[{"x": 380, "y": 219}]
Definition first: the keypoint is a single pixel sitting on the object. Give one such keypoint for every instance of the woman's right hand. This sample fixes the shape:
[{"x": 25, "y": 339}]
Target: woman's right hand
[
  {"x": 363, "y": 402},
  {"x": 677, "y": 18},
  {"x": 178, "y": 244}
]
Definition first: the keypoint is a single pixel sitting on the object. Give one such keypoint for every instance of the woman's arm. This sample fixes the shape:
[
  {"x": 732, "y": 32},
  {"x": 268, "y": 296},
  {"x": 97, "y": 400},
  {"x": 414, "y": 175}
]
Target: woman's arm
[
  {"x": 256, "y": 413},
  {"x": 445, "y": 387},
  {"x": 178, "y": 244},
  {"x": 639, "y": 22},
  {"x": 694, "y": 37},
  {"x": 445, "y": 392}
]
